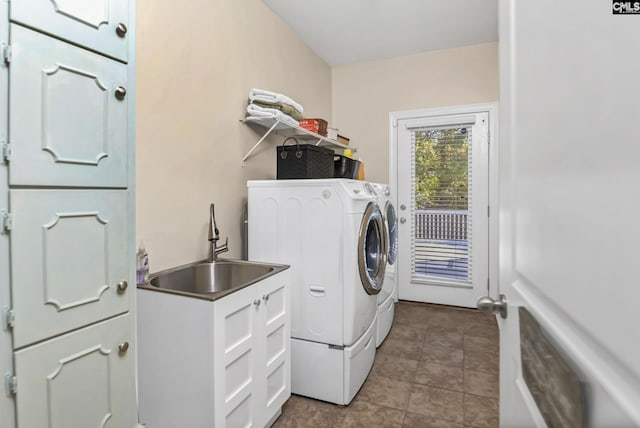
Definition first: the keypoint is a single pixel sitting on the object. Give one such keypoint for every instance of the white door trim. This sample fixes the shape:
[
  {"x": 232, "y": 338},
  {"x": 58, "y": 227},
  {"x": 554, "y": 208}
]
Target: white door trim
[{"x": 492, "y": 110}]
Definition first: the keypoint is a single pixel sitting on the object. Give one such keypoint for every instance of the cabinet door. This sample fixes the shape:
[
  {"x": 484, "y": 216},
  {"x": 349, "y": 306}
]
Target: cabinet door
[
  {"x": 82, "y": 379},
  {"x": 68, "y": 254},
  {"x": 92, "y": 24},
  {"x": 67, "y": 126},
  {"x": 277, "y": 364},
  {"x": 237, "y": 348}
]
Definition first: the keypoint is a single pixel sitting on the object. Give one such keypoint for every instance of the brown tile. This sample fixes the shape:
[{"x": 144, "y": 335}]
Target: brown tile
[
  {"x": 395, "y": 368},
  {"x": 414, "y": 420},
  {"x": 482, "y": 327},
  {"x": 488, "y": 362},
  {"x": 428, "y": 345},
  {"x": 445, "y": 355},
  {"x": 480, "y": 383},
  {"x": 437, "y": 403},
  {"x": 410, "y": 314},
  {"x": 440, "y": 376},
  {"x": 481, "y": 412},
  {"x": 385, "y": 392},
  {"x": 450, "y": 319},
  {"x": 400, "y": 348},
  {"x": 407, "y": 332},
  {"x": 302, "y": 412},
  {"x": 452, "y": 338},
  {"x": 362, "y": 414},
  {"x": 481, "y": 344}
]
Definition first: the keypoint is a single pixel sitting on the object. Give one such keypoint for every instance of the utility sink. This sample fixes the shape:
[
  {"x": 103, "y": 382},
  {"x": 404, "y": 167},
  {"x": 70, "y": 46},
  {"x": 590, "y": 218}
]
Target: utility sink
[{"x": 211, "y": 280}]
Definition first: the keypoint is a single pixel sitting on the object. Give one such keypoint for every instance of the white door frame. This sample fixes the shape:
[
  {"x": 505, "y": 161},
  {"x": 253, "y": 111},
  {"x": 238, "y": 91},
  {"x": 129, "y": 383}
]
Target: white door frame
[{"x": 492, "y": 110}]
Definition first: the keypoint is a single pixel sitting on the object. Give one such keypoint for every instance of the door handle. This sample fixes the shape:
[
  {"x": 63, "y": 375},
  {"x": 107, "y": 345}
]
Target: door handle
[
  {"x": 121, "y": 30},
  {"x": 403, "y": 220},
  {"x": 403, "y": 207},
  {"x": 122, "y": 286},
  {"x": 489, "y": 306},
  {"x": 120, "y": 93}
]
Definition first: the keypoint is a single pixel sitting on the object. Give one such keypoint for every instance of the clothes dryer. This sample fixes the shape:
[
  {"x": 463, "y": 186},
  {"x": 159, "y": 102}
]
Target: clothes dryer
[
  {"x": 331, "y": 233},
  {"x": 386, "y": 297}
]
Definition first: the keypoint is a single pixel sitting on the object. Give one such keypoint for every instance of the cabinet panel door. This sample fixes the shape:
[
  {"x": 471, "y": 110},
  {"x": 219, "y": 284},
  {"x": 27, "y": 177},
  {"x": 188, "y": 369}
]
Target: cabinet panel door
[
  {"x": 68, "y": 253},
  {"x": 276, "y": 324},
  {"x": 81, "y": 379},
  {"x": 67, "y": 127},
  {"x": 91, "y": 24},
  {"x": 237, "y": 348}
]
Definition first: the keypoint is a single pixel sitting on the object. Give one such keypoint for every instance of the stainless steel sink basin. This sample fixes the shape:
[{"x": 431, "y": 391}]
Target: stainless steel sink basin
[{"x": 211, "y": 280}]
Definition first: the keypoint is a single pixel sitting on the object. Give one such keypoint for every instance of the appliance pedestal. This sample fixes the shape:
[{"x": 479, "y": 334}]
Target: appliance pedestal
[{"x": 329, "y": 373}]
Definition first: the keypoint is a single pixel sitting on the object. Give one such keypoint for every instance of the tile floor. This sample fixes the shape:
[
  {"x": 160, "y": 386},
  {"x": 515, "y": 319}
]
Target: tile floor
[{"x": 437, "y": 368}]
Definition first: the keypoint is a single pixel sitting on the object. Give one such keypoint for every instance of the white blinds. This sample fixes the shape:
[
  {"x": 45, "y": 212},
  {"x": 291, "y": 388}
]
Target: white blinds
[{"x": 441, "y": 203}]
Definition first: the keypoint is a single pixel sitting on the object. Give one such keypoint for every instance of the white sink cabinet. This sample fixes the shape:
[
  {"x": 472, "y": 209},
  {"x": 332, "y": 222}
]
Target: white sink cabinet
[{"x": 221, "y": 363}]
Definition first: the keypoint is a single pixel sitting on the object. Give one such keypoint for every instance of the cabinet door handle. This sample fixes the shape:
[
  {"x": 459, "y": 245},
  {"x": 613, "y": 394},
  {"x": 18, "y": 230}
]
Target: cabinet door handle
[
  {"x": 120, "y": 93},
  {"x": 123, "y": 347},
  {"x": 121, "y": 30},
  {"x": 122, "y": 286},
  {"x": 256, "y": 302},
  {"x": 265, "y": 298}
]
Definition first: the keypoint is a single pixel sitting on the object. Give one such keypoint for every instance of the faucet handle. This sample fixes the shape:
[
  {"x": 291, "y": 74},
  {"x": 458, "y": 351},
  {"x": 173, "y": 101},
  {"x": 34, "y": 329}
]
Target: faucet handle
[{"x": 223, "y": 248}]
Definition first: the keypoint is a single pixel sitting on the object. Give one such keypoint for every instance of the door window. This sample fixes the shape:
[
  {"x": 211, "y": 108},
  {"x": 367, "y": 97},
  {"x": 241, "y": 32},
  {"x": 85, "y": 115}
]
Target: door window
[{"x": 442, "y": 199}]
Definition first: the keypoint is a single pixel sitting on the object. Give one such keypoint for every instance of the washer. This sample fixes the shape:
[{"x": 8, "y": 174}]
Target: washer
[
  {"x": 386, "y": 297},
  {"x": 331, "y": 232}
]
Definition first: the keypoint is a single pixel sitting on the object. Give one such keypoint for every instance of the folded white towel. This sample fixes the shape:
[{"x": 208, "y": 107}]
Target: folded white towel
[
  {"x": 257, "y": 111},
  {"x": 273, "y": 97}
]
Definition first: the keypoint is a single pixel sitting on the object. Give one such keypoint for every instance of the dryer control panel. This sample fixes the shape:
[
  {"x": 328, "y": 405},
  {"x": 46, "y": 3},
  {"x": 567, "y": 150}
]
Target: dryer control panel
[{"x": 360, "y": 189}]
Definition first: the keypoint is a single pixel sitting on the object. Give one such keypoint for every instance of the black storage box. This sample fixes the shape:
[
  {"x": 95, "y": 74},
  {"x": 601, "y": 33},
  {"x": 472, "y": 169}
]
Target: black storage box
[
  {"x": 301, "y": 161},
  {"x": 344, "y": 167}
]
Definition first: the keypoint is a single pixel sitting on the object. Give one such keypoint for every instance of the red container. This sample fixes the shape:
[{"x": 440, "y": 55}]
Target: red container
[{"x": 318, "y": 126}]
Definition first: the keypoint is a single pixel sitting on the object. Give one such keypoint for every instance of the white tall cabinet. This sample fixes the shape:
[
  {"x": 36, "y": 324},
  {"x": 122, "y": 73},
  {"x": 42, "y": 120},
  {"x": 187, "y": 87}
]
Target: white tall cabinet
[{"x": 67, "y": 250}]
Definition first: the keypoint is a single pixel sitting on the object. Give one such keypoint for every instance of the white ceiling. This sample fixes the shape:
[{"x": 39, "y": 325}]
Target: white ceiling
[{"x": 347, "y": 31}]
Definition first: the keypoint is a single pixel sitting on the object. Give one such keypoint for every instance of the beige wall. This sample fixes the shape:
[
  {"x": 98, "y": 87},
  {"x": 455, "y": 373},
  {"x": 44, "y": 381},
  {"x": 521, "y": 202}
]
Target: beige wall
[
  {"x": 195, "y": 66},
  {"x": 364, "y": 94}
]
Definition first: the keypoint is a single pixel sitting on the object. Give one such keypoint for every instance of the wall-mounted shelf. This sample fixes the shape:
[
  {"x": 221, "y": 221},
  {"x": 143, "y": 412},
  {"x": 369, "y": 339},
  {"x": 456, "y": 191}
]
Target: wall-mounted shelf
[{"x": 287, "y": 130}]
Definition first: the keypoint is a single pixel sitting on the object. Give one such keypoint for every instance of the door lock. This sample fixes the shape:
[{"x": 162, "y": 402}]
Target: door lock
[
  {"x": 403, "y": 220},
  {"x": 488, "y": 306}
]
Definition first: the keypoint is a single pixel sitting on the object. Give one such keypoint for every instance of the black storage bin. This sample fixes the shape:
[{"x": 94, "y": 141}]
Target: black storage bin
[
  {"x": 344, "y": 167},
  {"x": 301, "y": 161}
]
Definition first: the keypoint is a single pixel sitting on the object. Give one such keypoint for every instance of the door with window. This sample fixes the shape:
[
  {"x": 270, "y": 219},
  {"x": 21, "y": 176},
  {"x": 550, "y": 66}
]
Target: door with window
[
  {"x": 443, "y": 200},
  {"x": 569, "y": 229}
]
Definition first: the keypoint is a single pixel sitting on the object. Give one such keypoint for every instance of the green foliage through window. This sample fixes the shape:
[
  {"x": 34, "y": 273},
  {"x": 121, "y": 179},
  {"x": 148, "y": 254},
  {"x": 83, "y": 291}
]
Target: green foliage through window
[{"x": 442, "y": 169}]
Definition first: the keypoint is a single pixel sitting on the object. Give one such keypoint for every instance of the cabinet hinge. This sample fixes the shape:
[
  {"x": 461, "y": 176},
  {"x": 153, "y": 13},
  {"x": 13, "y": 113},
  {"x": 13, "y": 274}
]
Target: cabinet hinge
[
  {"x": 488, "y": 211},
  {"x": 9, "y": 318},
  {"x": 338, "y": 347},
  {"x": 6, "y": 53},
  {"x": 6, "y": 150},
  {"x": 7, "y": 220},
  {"x": 11, "y": 384}
]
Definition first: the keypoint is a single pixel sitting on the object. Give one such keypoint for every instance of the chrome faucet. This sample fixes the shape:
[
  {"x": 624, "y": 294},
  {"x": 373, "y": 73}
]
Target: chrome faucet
[{"x": 214, "y": 236}]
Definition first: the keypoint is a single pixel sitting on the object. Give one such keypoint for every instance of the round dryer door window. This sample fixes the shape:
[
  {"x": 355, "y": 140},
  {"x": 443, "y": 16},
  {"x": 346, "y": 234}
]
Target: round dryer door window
[
  {"x": 392, "y": 229},
  {"x": 372, "y": 251}
]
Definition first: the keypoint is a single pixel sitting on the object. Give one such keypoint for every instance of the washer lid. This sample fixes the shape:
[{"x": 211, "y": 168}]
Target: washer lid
[{"x": 372, "y": 249}]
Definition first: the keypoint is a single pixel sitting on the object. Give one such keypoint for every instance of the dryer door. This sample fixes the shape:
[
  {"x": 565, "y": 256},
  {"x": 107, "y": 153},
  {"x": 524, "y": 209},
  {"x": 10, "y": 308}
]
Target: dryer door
[
  {"x": 372, "y": 249},
  {"x": 392, "y": 233}
]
